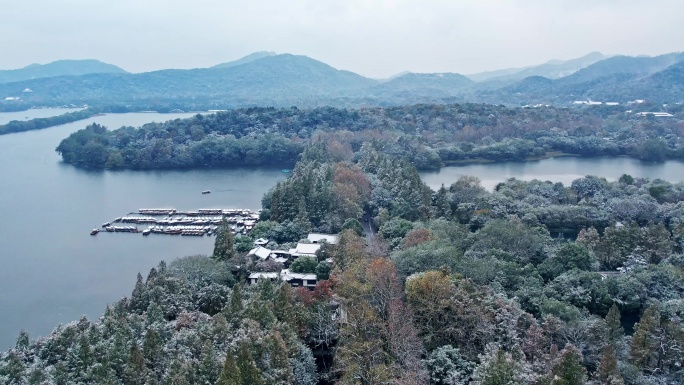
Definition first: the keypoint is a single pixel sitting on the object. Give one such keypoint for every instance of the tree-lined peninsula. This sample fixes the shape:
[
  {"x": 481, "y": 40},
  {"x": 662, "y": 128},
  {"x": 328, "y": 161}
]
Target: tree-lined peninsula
[{"x": 429, "y": 135}]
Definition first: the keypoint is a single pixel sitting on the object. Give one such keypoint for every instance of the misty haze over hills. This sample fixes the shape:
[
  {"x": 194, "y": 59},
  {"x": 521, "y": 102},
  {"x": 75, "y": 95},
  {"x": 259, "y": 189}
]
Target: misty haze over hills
[
  {"x": 553, "y": 69},
  {"x": 58, "y": 68},
  {"x": 267, "y": 78}
]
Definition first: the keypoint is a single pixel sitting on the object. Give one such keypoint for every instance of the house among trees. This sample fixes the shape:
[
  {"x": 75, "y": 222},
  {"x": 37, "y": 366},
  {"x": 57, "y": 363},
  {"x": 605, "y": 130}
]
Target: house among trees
[
  {"x": 305, "y": 250},
  {"x": 261, "y": 242},
  {"x": 286, "y": 257},
  {"x": 320, "y": 238},
  {"x": 298, "y": 279},
  {"x": 260, "y": 252},
  {"x": 255, "y": 277},
  {"x": 294, "y": 279}
]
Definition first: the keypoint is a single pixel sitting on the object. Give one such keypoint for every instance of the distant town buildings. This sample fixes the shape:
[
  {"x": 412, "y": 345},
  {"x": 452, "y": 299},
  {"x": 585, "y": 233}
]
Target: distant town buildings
[{"x": 656, "y": 114}]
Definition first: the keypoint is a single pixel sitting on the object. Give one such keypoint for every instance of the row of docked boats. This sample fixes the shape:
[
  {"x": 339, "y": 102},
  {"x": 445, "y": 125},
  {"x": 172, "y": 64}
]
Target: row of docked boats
[
  {"x": 174, "y": 222},
  {"x": 122, "y": 229},
  {"x": 183, "y": 230},
  {"x": 183, "y": 220},
  {"x": 222, "y": 212}
]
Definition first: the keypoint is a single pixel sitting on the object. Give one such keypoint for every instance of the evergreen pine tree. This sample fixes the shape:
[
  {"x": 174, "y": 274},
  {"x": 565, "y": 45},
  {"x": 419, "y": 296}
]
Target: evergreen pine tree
[
  {"x": 37, "y": 377},
  {"x": 14, "y": 369},
  {"x": 152, "y": 348},
  {"x": 644, "y": 343},
  {"x": 302, "y": 218},
  {"x": 117, "y": 354},
  {"x": 139, "y": 300},
  {"x": 178, "y": 373},
  {"x": 223, "y": 245},
  {"x": 22, "y": 340},
  {"x": 607, "y": 371},
  {"x": 499, "y": 371},
  {"x": 278, "y": 353},
  {"x": 266, "y": 290},
  {"x": 234, "y": 311},
  {"x": 249, "y": 373},
  {"x": 615, "y": 330},
  {"x": 569, "y": 369},
  {"x": 135, "y": 372},
  {"x": 283, "y": 307},
  {"x": 441, "y": 203},
  {"x": 60, "y": 374},
  {"x": 230, "y": 374},
  {"x": 236, "y": 305},
  {"x": 209, "y": 366},
  {"x": 85, "y": 354}
]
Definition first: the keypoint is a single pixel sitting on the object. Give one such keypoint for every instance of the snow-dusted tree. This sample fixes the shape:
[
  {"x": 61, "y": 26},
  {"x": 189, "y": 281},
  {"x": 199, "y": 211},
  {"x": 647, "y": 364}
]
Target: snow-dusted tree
[
  {"x": 223, "y": 245},
  {"x": 569, "y": 369},
  {"x": 446, "y": 366},
  {"x": 607, "y": 372},
  {"x": 230, "y": 374},
  {"x": 499, "y": 367},
  {"x": 644, "y": 345},
  {"x": 304, "y": 367}
]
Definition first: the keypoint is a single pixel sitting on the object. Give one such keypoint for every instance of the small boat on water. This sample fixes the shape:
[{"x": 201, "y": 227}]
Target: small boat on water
[
  {"x": 206, "y": 192},
  {"x": 146, "y": 232},
  {"x": 94, "y": 231},
  {"x": 106, "y": 224}
]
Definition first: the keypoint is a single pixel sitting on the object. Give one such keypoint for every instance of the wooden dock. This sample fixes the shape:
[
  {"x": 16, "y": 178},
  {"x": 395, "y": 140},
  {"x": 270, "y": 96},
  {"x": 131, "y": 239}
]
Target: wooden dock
[{"x": 169, "y": 221}]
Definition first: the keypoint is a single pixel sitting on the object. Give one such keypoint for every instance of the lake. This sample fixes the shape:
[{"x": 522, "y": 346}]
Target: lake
[
  {"x": 51, "y": 270},
  {"x": 562, "y": 169},
  {"x": 6, "y": 117}
]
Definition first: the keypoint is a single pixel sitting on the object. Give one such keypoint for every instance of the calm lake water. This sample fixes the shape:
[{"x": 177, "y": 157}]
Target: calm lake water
[
  {"x": 6, "y": 117},
  {"x": 51, "y": 270},
  {"x": 564, "y": 169}
]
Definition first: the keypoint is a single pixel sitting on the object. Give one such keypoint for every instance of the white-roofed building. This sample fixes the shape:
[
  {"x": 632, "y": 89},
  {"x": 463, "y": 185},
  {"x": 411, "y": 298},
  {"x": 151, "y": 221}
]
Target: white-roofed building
[
  {"x": 305, "y": 249},
  {"x": 260, "y": 252},
  {"x": 320, "y": 238},
  {"x": 299, "y": 279},
  {"x": 261, "y": 242},
  {"x": 283, "y": 260},
  {"x": 255, "y": 277}
]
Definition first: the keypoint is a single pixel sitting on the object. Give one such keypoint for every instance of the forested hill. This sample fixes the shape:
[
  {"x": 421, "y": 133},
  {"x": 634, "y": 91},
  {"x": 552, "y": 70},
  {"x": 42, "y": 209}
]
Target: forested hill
[
  {"x": 58, "y": 68},
  {"x": 246, "y": 59},
  {"x": 532, "y": 283},
  {"x": 428, "y": 135},
  {"x": 281, "y": 80},
  {"x": 616, "y": 79},
  {"x": 414, "y": 88},
  {"x": 284, "y": 80}
]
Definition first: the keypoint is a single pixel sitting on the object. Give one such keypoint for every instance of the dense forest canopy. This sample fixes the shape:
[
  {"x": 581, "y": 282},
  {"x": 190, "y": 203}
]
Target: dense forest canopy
[
  {"x": 533, "y": 283},
  {"x": 429, "y": 136}
]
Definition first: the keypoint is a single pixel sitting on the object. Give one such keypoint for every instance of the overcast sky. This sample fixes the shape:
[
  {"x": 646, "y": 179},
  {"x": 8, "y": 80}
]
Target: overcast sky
[{"x": 375, "y": 38}]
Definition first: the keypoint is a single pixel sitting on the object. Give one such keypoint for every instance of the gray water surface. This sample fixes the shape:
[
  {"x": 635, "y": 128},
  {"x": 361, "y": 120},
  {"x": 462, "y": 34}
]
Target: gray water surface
[
  {"x": 6, "y": 117},
  {"x": 51, "y": 270},
  {"x": 564, "y": 169}
]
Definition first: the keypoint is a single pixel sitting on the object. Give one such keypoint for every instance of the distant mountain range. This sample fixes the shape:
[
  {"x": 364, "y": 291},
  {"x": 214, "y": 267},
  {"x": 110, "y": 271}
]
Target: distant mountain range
[
  {"x": 58, "y": 68},
  {"x": 552, "y": 69},
  {"x": 249, "y": 58},
  {"x": 269, "y": 79},
  {"x": 616, "y": 79}
]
